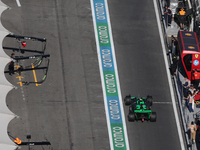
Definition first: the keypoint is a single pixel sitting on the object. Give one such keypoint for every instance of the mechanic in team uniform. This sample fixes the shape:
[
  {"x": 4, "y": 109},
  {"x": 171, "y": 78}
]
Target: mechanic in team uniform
[
  {"x": 174, "y": 46},
  {"x": 192, "y": 129},
  {"x": 175, "y": 64},
  {"x": 196, "y": 78},
  {"x": 189, "y": 100},
  {"x": 186, "y": 86},
  {"x": 11, "y": 65},
  {"x": 198, "y": 128},
  {"x": 167, "y": 15},
  {"x": 181, "y": 14}
]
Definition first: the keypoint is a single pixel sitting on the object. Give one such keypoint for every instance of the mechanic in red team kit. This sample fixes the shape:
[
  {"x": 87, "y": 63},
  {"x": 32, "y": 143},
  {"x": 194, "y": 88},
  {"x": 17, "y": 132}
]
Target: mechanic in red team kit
[{"x": 196, "y": 78}]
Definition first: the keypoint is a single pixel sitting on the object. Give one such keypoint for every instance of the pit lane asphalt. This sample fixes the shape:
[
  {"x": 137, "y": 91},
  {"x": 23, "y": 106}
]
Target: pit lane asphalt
[
  {"x": 67, "y": 109},
  {"x": 142, "y": 72}
]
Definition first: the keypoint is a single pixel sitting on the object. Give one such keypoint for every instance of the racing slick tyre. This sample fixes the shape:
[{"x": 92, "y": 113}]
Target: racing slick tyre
[
  {"x": 150, "y": 100},
  {"x": 153, "y": 117},
  {"x": 127, "y": 100},
  {"x": 131, "y": 117}
]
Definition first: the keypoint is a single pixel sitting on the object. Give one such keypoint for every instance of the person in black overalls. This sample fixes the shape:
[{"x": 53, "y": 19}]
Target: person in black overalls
[
  {"x": 167, "y": 15},
  {"x": 11, "y": 65},
  {"x": 175, "y": 64}
]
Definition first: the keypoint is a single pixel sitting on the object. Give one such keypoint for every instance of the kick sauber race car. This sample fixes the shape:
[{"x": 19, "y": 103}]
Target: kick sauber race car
[{"x": 140, "y": 108}]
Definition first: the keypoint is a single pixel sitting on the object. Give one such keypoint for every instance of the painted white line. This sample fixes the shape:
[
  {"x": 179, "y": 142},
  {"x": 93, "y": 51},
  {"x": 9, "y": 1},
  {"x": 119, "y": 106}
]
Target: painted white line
[
  {"x": 169, "y": 77},
  {"x": 18, "y": 3},
  {"x": 162, "y": 102},
  {"x": 101, "y": 75},
  {"x": 23, "y": 96},
  {"x": 117, "y": 78}
]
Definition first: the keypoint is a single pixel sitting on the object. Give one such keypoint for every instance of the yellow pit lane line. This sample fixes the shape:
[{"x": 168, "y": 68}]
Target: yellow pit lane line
[
  {"x": 20, "y": 78},
  {"x": 17, "y": 66},
  {"x": 20, "y": 83},
  {"x": 34, "y": 74}
]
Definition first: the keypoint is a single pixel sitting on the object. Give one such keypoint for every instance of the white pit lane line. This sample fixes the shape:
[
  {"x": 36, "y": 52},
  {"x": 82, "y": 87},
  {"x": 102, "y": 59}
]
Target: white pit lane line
[
  {"x": 116, "y": 124},
  {"x": 169, "y": 77},
  {"x": 18, "y": 3}
]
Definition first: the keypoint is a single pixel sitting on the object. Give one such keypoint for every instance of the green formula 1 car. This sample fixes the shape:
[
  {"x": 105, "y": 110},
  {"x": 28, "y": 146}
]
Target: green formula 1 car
[{"x": 140, "y": 108}]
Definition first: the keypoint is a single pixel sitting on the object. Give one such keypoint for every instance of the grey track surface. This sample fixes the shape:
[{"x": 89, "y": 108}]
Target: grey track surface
[
  {"x": 67, "y": 109},
  {"x": 142, "y": 72}
]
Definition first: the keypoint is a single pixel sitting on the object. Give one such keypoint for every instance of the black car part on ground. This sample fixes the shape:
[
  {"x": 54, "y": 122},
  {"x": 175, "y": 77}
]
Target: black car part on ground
[
  {"x": 19, "y": 39},
  {"x": 30, "y": 57},
  {"x": 45, "y": 69},
  {"x": 26, "y": 37},
  {"x": 35, "y": 143},
  {"x": 39, "y": 58},
  {"x": 23, "y": 50},
  {"x": 38, "y": 61}
]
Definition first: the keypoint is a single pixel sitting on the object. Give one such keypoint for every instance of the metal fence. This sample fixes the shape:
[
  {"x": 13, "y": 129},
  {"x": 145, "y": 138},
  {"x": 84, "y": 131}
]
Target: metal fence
[{"x": 177, "y": 82}]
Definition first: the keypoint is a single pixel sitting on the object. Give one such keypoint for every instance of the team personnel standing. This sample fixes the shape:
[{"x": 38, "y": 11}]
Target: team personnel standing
[
  {"x": 11, "y": 65},
  {"x": 182, "y": 17},
  {"x": 196, "y": 78},
  {"x": 186, "y": 86},
  {"x": 167, "y": 15},
  {"x": 190, "y": 100},
  {"x": 198, "y": 126},
  {"x": 175, "y": 64},
  {"x": 192, "y": 129}
]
